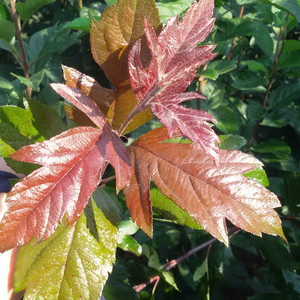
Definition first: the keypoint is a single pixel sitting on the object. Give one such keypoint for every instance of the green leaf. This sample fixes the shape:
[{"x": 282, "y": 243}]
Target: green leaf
[
  {"x": 227, "y": 121},
  {"x": 7, "y": 30},
  {"x": 6, "y": 85},
  {"x": 127, "y": 227},
  {"x": 291, "y": 45},
  {"x": 221, "y": 66},
  {"x": 289, "y": 60},
  {"x": 277, "y": 154},
  {"x": 231, "y": 142},
  {"x": 168, "y": 9},
  {"x": 246, "y": 27},
  {"x": 169, "y": 278},
  {"x": 276, "y": 252},
  {"x": 284, "y": 95},
  {"x": 258, "y": 175},
  {"x": 79, "y": 24},
  {"x": 72, "y": 264},
  {"x": 292, "y": 192},
  {"x": 29, "y": 7},
  {"x": 210, "y": 74},
  {"x": 256, "y": 66},
  {"x": 293, "y": 279},
  {"x": 110, "y": 2},
  {"x": 255, "y": 110},
  {"x": 109, "y": 205},
  {"x": 169, "y": 210},
  {"x": 125, "y": 240},
  {"x": 20, "y": 127},
  {"x": 200, "y": 271},
  {"x": 276, "y": 147},
  {"x": 4, "y": 13},
  {"x": 248, "y": 80},
  {"x": 128, "y": 243},
  {"x": 214, "y": 92},
  {"x": 34, "y": 81},
  {"x": 291, "y": 6}
]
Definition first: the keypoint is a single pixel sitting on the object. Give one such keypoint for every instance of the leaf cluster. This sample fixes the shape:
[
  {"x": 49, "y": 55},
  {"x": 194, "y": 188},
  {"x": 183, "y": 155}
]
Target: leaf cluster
[{"x": 197, "y": 164}]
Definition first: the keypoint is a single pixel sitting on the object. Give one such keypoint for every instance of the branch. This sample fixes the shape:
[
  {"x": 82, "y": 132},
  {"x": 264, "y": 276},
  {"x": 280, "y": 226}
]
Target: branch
[
  {"x": 23, "y": 59},
  {"x": 173, "y": 263}
]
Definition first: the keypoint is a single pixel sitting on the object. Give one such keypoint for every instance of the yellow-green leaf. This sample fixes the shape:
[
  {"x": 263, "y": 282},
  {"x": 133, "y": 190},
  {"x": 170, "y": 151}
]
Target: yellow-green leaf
[{"x": 72, "y": 264}]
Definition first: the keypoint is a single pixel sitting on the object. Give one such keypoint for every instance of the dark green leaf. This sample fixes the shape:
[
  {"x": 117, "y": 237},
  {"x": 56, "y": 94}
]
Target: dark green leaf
[
  {"x": 232, "y": 142},
  {"x": 214, "y": 92},
  {"x": 200, "y": 271},
  {"x": 7, "y": 30},
  {"x": 255, "y": 111},
  {"x": 284, "y": 95},
  {"x": 4, "y": 13},
  {"x": 289, "y": 60},
  {"x": 29, "y": 7},
  {"x": 109, "y": 205},
  {"x": 256, "y": 66},
  {"x": 34, "y": 81},
  {"x": 248, "y": 80},
  {"x": 291, "y": 45},
  {"x": 222, "y": 66},
  {"x": 277, "y": 253},
  {"x": 276, "y": 147},
  {"x": 290, "y": 6},
  {"x": 227, "y": 121},
  {"x": 292, "y": 278},
  {"x": 292, "y": 192},
  {"x": 79, "y": 24},
  {"x": 246, "y": 27}
]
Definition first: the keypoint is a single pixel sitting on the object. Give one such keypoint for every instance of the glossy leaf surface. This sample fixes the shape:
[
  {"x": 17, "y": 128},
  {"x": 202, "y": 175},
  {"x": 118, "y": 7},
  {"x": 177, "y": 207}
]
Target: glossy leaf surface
[
  {"x": 175, "y": 58},
  {"x": 215, "y": 194},
  {"x": 103, "y": 97},
  {"x": 111, "y": 39},
  {"x": 110, "y": 145},
  {"x": 73, "y": 163},
  {"x": 73, "y": 263}
]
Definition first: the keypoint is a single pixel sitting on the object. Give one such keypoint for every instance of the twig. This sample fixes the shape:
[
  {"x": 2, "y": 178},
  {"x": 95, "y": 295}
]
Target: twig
[
  {"x": 23, "y": 59},
  {"x": 105, "y": 180},
  {"x": 173, "y": 263},
  {"x": 271, "y": 80},
  {"x": 234, "y": 39}
]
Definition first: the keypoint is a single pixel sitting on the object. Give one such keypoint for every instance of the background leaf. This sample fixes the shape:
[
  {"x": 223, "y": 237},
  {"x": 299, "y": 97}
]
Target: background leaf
[{"x": 29, "y": 7}]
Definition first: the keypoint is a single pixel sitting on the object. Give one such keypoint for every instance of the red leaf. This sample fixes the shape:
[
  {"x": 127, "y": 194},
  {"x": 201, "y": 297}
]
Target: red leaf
[
  {"x": 82, "y": 102},
  {"x": 187, "y": 176},
  {"x": 175, "y": 58},
  {"x": 73, "y": 163},
  {"x": 109, "y": 144}
]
